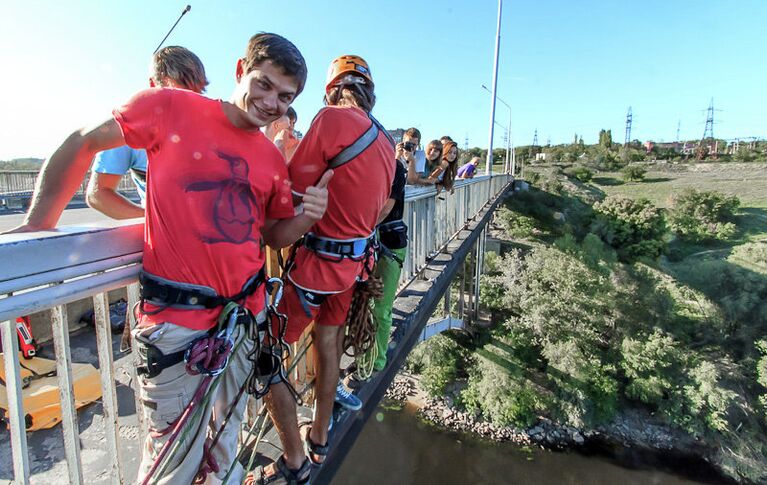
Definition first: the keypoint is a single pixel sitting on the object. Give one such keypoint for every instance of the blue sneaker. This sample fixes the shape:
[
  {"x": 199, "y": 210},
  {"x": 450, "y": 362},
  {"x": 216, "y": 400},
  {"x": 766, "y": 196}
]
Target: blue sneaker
[{"x": 345, "y": 398}]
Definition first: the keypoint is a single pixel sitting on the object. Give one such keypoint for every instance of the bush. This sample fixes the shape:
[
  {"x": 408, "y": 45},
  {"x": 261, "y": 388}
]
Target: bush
[
  {"x": 438, "y": 360},
  {"x": 761, "y": 375},
  {"x": 700, "y": 216},
  {"x": 502, "y": 398},
  {"x": 606, "y": 161},
  {"x": 651, "y": 364},
  {"x": 552, "y": 185},
  {"x": 635, "y": 228},
  {"x": 532, "y": 177},
  {"x": 706, "y": 398},
  {"x": 516, "y": 225},
  {"x": 581, "y": 173},
  {"x": 633, "y": 173}
]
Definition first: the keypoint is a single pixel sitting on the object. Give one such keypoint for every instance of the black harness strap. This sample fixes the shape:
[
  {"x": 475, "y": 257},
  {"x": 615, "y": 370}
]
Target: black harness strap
[
  {"x": 344, "y": 249},
  {"x": 170, "y": 294},
  {"x": 156, "y": 361},
  {"x": 360, "y": 145}
]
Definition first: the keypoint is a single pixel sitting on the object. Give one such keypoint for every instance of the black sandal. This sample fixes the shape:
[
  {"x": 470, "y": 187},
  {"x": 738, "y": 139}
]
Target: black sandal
[
  {"x": 285, "y": 475},
  {"x": 313, "y": 449}
]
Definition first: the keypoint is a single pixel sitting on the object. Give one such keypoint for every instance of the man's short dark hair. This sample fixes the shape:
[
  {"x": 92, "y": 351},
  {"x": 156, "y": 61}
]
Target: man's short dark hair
[
  {"x": 413, "y": 133},
  {"x": 292, "y": 115},
  {"x": 272, "y": 47}
]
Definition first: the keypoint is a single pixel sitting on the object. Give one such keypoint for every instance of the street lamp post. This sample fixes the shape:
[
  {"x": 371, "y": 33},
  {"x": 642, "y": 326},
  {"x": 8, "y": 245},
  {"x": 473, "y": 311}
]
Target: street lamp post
[
  {"x": 489, "y": 161},
  {"x": 508, "y": 133}
]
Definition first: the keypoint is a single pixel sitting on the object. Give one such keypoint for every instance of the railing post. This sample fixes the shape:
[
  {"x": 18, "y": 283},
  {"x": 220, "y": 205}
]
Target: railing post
[
  {"x": 478, "y": 259},
  {"x": 15, "y": 403},
  {"x": 461, "y": 309},
  {"x": 60, "y": 326},
  {"x": 107, "y": 371}
]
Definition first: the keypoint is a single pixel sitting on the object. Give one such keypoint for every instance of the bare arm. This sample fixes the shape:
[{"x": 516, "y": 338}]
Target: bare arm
[
  {"x": 387, "y": 207},
  {"x": 279, "y": 233},
  {"x": 102, "y": 195},
  {"x": 63, "y": 172},
  {"x": 413, "y": 177},
  {"x": 438, "y": 171}
]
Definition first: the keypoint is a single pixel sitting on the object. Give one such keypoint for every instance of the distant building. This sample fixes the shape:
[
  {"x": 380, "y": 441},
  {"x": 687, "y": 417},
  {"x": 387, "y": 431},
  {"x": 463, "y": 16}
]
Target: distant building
[
  {"x": 397, "y": 134},
  {"x": 540, "y": 157}
]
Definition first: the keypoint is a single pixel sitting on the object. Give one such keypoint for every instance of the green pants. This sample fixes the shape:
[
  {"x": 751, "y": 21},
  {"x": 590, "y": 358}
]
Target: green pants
[{"x": 389, "y": 271}]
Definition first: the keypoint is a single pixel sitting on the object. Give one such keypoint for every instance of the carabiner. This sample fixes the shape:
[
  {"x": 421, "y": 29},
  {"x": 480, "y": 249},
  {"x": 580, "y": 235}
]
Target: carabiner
[{"x": 276, "y": 297}]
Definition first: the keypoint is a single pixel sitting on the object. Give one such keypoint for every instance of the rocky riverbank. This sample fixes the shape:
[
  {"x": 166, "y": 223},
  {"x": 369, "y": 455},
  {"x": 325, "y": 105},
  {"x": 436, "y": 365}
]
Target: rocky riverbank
[{"x": 630, "y": 429}]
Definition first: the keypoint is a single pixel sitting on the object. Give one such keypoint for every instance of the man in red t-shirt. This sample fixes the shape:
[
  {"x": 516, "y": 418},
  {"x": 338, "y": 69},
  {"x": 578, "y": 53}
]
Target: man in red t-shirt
[
  {"x": 217, "y": 188},
  {"x": 320, "y": 284}
]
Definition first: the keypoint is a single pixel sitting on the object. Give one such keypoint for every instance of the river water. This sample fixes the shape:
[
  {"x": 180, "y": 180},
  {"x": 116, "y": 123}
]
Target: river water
[{"x": 395, "y": 447}]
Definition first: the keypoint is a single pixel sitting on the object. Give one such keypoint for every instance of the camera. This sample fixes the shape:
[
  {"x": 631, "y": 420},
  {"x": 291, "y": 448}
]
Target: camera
[{"x": 408, "y": 146}]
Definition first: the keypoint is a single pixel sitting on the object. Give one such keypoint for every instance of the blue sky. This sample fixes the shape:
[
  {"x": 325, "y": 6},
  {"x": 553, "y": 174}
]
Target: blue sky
[{"x": 566, "y": 66}]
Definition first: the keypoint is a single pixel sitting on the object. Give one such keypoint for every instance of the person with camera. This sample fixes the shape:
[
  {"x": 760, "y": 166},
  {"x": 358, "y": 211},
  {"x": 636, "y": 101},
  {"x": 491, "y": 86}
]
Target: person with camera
[{"x": 409, "y": 153}]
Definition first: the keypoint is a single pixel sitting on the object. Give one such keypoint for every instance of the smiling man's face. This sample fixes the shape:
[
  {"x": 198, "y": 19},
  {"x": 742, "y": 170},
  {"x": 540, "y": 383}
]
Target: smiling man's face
[{"x": 264, "y": 93}]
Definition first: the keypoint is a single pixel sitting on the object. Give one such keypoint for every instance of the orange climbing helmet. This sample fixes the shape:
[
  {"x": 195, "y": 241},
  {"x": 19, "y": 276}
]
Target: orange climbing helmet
[{"x": 347, "y": 64}]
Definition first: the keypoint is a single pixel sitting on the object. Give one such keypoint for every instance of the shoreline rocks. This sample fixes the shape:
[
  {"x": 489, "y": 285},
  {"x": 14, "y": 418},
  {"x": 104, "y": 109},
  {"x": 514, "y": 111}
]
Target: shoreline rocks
[{"x": 631, "y": 428}]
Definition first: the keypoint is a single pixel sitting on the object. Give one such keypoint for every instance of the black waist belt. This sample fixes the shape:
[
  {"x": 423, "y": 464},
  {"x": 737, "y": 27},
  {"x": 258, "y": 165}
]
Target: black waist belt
[
  {"x": 166, "y": 293},
  {"x": 154, "y": 361},
  {"x": 353, "y": 249},
  {"x": 393, "y": 226}
]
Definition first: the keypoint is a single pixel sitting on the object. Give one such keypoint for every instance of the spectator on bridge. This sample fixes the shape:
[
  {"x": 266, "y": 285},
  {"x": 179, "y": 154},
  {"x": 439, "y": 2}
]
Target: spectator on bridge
[
  {"x": 281, "y": 131},
  {"x": 217, "y": 189},
  {"x": 433, "y": 161},
  {"x": 446, "y": 172},
  {"x": 409, "y": 152},
  {"x": 468, "y": 170},
  {"x": 172, "y": 67}
]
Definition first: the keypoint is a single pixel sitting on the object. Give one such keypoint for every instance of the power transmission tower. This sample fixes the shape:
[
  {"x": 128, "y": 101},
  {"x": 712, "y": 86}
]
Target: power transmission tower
[
  {"x": 466, "y": 142},
  {"x": 535, "y": 138},
  {"x": 629, "y": 117},
  {"x": 708, "y": 132},
  {"x": 712, "y": 146},
  {"x": 678, "y": 125}
]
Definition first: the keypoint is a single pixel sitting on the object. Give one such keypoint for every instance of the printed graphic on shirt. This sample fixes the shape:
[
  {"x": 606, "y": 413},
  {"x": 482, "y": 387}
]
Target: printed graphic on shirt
[{"x": 235, "y": 204}]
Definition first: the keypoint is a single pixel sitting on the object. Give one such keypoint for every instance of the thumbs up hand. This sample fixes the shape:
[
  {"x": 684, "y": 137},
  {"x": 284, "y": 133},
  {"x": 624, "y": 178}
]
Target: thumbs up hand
[{"x": 316, "y": 197}]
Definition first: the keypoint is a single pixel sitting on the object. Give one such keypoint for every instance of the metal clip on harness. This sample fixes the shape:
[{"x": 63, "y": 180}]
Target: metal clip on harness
[{"x": 270, "y": 348}]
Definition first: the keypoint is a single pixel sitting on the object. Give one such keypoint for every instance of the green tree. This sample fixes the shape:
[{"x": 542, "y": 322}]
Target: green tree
[
  {"x": 700, "y": 216},
  {"x": 635, "y": 228},
  {"x": 633, "y": 173},
  {"x": 606, "y": 138}
]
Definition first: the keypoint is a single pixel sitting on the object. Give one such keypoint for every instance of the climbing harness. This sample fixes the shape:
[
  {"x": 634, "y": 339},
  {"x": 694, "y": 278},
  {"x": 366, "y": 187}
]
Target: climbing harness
[
  {"x": 337, "y": 249},
  {"x": 164, "y": 293},
  {"x": 360, "y": 144},
  {"x": 209, "y": 354},
  {"x": 270, "y": 351}
]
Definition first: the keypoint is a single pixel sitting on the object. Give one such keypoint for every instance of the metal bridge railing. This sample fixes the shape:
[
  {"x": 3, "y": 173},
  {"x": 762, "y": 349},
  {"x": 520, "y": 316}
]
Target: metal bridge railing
[
  {"x": 20, "y": 181},
  {"x": 49, "y": 270}
]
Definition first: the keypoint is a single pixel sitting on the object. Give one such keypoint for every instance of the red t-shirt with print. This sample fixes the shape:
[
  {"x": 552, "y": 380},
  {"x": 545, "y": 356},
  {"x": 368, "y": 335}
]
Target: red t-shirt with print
[
  {"x": 210, "y": 186},
  {"x": 356, "y": 193}
]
